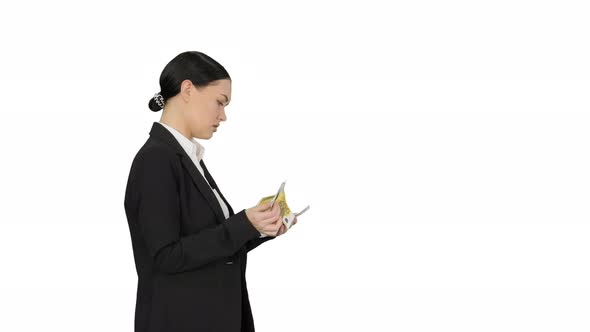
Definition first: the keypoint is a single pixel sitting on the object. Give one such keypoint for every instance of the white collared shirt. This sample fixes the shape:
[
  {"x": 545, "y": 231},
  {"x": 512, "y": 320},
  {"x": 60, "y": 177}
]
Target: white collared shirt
[{"x": 196, "y": 151}]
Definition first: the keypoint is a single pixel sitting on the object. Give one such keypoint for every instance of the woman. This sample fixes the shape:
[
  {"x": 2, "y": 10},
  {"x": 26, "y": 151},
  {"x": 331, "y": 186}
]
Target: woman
[{"x": 190, "y": 249}]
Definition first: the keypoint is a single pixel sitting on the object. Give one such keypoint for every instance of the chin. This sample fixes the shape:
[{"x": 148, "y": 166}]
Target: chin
[{"x": 204, "y": 136}]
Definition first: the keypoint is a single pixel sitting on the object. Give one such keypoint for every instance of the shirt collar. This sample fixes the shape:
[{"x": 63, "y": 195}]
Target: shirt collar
[{"x": 191, "y": 147}]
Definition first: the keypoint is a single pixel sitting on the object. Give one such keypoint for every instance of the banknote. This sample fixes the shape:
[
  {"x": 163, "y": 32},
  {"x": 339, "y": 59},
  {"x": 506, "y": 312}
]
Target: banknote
[{"x": 287, "y": 216}]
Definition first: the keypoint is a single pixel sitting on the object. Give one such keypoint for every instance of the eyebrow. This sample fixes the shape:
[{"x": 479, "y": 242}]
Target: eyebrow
[{"x": 226, "y": 99}]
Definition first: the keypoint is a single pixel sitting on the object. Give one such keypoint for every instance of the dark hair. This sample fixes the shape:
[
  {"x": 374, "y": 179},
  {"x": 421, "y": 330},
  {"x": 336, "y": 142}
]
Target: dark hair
[{"x": 195, "y": 66}]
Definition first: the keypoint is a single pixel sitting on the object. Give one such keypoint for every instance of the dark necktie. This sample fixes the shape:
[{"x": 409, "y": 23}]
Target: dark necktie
[{"x": 208, "y": 176}]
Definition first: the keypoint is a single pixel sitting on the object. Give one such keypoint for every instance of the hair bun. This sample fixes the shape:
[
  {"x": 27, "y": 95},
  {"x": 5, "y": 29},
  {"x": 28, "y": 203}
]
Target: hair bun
[{"x": 153, "y": 106}]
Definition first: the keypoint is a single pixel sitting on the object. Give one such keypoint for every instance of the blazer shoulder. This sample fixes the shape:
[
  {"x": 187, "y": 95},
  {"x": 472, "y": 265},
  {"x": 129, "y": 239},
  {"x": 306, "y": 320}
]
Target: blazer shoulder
[
  {"x": 154, "y": 162},
  {"x": 154, "y": 149},
  {"x": 155, "y": 159},
  {"x": 156, "y": 156}
]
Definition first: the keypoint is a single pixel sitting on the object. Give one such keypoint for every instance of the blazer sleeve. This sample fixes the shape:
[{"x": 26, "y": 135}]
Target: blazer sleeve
[
  {"x": 256, "y": 242},
  {"x": 158, "y": 219}
]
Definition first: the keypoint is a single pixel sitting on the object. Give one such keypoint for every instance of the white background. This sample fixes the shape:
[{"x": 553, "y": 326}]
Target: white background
[{"x": 442, "y": 145}]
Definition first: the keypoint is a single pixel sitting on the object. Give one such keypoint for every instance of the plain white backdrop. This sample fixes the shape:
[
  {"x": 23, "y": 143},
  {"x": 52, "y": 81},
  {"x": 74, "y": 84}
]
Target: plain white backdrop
[{"x": 442, "y": 146}]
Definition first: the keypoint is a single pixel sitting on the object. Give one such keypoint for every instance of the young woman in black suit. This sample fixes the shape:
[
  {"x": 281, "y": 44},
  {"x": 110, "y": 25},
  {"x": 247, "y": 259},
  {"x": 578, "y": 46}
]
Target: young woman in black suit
[{"x": 189, "y": 246}]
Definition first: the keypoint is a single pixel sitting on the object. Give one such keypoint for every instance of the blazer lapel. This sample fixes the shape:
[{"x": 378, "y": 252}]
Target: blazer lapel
[
  {"x": 210, "y": 179},
  {"x": 159, "y": 132}
]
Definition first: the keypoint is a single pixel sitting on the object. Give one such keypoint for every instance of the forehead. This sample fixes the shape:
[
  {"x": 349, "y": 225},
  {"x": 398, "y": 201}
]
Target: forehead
[{"x": 221, "y": 87}]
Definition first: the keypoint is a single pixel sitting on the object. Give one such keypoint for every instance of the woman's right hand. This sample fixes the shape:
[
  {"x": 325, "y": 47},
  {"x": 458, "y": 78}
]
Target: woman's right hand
[{"x": 265, "y": 219}]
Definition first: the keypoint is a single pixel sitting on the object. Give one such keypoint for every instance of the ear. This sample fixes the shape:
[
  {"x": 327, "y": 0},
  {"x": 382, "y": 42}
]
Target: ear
[{"x": 186, "y": 89}]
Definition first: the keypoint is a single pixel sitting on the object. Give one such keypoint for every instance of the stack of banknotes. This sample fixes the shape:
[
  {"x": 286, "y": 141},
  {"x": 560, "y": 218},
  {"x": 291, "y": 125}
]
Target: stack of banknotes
[{"x": 279, "y": 198}]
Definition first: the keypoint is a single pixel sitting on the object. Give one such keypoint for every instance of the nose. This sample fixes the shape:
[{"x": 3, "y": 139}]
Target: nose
[{"x": 223, "y": 117}]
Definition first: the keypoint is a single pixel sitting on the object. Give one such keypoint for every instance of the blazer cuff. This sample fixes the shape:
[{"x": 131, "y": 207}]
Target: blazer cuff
[{"x": 242, "y": 226}]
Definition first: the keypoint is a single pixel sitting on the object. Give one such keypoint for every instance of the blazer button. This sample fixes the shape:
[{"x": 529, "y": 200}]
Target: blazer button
[{"x": 229, "y": 262}]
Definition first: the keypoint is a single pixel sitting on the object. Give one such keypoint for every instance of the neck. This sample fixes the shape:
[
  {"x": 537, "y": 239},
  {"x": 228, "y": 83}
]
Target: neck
[{"x": 170, "y": 118}]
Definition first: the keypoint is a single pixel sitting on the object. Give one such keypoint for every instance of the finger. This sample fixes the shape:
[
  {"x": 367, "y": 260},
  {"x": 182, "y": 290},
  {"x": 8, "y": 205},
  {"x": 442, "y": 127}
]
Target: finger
[
  {"x": 264, "y": 206},
  {"x": 271, "y": 220},
  {"x": 269, "y": 206},
  {"x": 276, "y": 209},
  {"x": 281, "y": 230},
  {"x": 266, "y": 215},
  {"x": 269, "y": 214},
  {"x": 278, "y": 226},
  {"x": 271, "y": 228},
  {"x": 272, "y": 231}
]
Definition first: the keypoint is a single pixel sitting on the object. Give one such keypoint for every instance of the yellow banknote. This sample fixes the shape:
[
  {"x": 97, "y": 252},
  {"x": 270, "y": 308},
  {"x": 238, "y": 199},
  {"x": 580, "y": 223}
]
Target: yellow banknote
[{"x": 280, "y": 198}]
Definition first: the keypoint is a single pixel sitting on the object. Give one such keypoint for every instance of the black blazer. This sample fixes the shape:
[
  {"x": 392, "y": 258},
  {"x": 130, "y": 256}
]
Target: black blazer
[{"x": 190, "y": 260}]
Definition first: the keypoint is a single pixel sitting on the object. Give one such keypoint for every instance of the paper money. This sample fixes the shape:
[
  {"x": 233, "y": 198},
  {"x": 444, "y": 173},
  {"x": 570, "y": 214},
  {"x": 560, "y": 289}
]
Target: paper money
[{"x": 287, "y": 216}]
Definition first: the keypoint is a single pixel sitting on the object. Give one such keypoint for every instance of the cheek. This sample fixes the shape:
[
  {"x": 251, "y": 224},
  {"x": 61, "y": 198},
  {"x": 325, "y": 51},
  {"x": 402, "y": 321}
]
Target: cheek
[
  {"x": 214, "y": 107},
  {"x": 193, "y": 118},
  {"x": 213, "y": 110},
  {"x": 199, "y": 109}
]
